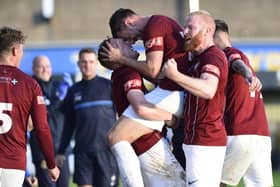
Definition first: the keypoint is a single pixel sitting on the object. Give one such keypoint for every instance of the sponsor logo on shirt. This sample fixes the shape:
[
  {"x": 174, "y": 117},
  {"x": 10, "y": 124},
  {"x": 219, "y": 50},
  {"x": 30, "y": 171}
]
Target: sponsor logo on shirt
[
  {"x": 40, "y": 100},
  {"x": 211, "y": 68},
  {"x": 156, "y": 41},
  {"x": 5, "y": 79},
  {"x": 132, "y": 84}
]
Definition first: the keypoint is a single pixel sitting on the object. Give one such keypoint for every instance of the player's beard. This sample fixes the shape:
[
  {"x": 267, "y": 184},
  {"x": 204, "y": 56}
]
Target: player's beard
[{"x": 194, "y": 42}]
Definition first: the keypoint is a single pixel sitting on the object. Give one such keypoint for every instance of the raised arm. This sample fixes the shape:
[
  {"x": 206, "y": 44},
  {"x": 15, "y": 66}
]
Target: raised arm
[
  {"x": 240, "y": 67},
  {"x": 150, "y": 67}
]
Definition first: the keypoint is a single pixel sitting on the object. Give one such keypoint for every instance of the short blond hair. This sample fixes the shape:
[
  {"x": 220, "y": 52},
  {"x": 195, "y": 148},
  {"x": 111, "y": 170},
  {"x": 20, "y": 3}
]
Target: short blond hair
[{"x": 206, "y": 17}]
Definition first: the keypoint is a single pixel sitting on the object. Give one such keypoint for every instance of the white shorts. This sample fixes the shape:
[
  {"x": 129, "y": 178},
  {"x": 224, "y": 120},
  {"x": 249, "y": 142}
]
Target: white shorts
[
  {"x": 11, "y": 177},
  {"x": 172, "y": 101},
  {"x": 160, "y": 168},
  {"x": 204, "y": 165},
  {"x": 248, "y": 156}
]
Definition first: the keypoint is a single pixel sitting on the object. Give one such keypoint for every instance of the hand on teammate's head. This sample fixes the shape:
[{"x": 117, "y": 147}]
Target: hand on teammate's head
[
  {"x": 113, "y": 51},
  {"x": 126, "y": 48}
]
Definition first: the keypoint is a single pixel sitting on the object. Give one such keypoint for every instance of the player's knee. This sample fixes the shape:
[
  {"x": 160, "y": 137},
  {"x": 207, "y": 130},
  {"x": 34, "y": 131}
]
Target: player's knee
[{"x": 114, "y": 136}]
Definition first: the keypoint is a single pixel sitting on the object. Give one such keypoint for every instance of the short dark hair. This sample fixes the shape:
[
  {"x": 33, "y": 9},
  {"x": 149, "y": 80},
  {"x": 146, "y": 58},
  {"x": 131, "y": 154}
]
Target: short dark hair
[
  {"x": 221, "y": 25},
  {"x": 86, "y": 50},
  {"x": 116, "y": 20},
  {"x": 9, "y": 37}
]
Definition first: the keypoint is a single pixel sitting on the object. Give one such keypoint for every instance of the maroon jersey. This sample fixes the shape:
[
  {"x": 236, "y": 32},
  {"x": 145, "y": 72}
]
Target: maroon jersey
[
  {"x": 20, "y": 97},
  {"x": 245, "y": 111},
  {"x": 125, "y": 79},
  {"x": 204, "y": 124},
  {"x": 163, "y": 34}
]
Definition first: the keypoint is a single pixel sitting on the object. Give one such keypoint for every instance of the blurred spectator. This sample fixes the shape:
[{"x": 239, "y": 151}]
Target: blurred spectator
[
  {"x": 89, "y": 111},
  {"x": 53, "y": 92}
]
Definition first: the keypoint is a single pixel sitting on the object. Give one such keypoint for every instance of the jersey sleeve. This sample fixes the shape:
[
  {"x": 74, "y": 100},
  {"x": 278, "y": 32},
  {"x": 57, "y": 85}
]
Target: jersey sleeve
[
  {"x": 133, "y": 81},
  {"x": 213, "y": 64},
  {"x": 154, "y": 36},
  {"x": 41, "y": 127}
]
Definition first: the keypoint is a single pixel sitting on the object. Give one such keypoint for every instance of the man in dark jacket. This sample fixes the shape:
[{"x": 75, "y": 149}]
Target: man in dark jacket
[{"x": 53, "y": 93}]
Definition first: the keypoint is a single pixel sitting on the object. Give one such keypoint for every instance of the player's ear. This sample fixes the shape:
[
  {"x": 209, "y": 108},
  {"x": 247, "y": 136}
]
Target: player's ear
[{"x": 14, "y": 51}]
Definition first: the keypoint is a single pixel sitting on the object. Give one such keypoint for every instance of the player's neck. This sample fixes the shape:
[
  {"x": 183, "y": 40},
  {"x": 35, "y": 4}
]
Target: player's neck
[{"x": 8, "y": 61}]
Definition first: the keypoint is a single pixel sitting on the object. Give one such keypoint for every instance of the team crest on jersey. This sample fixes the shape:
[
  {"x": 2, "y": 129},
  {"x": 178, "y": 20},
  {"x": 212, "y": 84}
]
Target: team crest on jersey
[
  {"x": 132, "y": 84},
  {"x": 77, "y": 97},
  {"x": 40, "y": 100},
  {"x": 211, "y": 68},
  {"x": 233, "y": 57},
  {"x": 14, "y": 81},
  {"x": 156, "y": 41}
]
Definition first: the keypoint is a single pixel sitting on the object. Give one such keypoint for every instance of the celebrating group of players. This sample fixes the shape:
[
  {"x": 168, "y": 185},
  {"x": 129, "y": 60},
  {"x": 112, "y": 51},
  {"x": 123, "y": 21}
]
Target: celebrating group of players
[
  {"x": 199, "y": 77},
  {"x": 226, "y": 134}
]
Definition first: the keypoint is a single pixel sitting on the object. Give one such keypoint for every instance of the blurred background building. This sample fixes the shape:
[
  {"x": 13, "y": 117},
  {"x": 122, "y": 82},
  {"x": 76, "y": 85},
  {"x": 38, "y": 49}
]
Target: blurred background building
[{"x": 59, "y": 28}]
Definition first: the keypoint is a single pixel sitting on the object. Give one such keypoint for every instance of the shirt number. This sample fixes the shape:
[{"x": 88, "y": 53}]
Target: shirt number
[{"x": 5, "y": 118}]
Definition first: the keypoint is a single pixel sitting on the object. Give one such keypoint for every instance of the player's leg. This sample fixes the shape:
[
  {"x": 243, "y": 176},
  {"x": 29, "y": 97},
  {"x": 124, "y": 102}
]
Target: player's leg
[
  {"x": 239, "y": 155},
  {"x": 11, "y": 177},
  {"x": 203, "y": 165},
  {"x": 120, "y": 138},
  {"x": 259, "y": 174},
  {"x": 160, "y": 167},
  {"x": 128, "y": 164},
  {"x": 177, "y": 142},
  {"x": 128, "y": 130}
]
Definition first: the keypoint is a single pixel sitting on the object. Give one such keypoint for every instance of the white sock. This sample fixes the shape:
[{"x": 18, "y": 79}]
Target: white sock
[{"x": 128, "y": 164}]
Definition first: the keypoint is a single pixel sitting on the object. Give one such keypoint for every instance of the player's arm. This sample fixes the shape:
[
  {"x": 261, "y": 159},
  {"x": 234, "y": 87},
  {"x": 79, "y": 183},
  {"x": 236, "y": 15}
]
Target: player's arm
[
  {"x": 41, "y": 127},
  {"x": 150, "y": 67},
  {"x": 148, "y": 110},
  {"x": 240, "y": 67},
  {"x": 204, "y": 87},
  {"x": 145, "y": 109}
]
